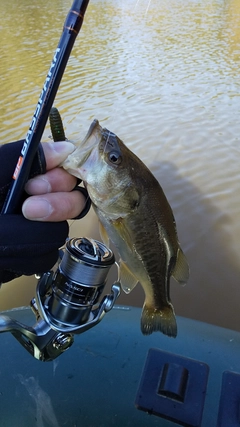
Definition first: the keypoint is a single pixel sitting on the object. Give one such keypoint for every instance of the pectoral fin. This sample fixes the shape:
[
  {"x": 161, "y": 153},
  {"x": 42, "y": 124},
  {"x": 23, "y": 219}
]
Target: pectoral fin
[
  {"x": 127, "y": 279},
  {"x": 103, "y": 234},
  {"x": 181, "y": 270},
  {"x": 123, "y": 232}
]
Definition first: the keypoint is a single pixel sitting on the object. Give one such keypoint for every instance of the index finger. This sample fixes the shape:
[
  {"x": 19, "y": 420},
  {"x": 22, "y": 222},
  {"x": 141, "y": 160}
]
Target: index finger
[{"x": 56, "y": 152}]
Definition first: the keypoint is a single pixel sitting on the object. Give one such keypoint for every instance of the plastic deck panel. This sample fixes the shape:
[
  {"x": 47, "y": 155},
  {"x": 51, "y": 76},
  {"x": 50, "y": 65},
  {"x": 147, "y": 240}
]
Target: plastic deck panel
[{"x": 95, "y": 382}]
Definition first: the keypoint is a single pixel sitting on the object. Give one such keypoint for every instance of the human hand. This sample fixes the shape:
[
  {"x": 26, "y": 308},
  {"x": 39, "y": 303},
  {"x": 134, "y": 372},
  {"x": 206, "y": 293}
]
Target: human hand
[
  {"x": 27, "y": 247},
  {"x": 51, "y": 196}
]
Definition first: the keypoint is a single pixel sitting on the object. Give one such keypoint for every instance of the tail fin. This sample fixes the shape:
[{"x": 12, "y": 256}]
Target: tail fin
[{"x": 153, "y": 320}]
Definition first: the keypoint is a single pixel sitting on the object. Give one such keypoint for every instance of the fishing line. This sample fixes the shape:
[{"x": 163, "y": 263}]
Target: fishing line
[
  {"x": 146, "y": 11},
  {"x": 147, "y": 7},
  {"x": 135, "y": 5},
  {"x": 109, "y": 133}
]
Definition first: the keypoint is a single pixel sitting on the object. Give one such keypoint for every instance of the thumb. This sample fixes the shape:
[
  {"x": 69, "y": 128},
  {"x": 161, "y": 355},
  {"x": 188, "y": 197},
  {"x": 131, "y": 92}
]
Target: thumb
[{"x": 56, "y": 152}]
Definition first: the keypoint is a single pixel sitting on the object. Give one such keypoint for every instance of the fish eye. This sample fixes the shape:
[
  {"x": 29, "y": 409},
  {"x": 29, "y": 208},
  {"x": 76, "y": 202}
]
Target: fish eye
[{"x": 115, "y": 157}]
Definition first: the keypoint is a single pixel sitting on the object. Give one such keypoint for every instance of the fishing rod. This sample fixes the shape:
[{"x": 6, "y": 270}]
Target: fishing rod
[
  {"x": 70, "y": 31},
  {"x": 67, "y": 299}
]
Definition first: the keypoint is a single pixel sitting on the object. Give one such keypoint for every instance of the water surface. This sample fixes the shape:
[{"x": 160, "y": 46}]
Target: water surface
[{"x": 164, "y": 76}]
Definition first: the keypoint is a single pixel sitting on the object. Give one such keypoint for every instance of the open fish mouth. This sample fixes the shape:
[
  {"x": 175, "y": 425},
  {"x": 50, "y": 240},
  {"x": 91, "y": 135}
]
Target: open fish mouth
[
  {"x": 84, "y": 148},
  {"x": 94, "y": 128}
]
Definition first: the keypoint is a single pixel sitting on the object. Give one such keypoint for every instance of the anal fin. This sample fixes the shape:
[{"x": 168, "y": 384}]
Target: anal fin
[
  {"x": 181, "y": 269},
  {"x": 127, "y": 279}
]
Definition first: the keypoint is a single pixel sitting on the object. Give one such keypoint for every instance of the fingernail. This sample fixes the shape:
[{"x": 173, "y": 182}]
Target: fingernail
[
  {"x": 36, "y": 209},
  {"x": 63, "y": 147},
  {"x": 38, "y": 185}
]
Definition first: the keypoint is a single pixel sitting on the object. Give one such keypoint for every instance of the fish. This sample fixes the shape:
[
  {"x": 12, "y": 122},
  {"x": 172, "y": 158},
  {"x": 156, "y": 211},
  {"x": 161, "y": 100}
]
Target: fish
[{"x": 135, "y": 215}]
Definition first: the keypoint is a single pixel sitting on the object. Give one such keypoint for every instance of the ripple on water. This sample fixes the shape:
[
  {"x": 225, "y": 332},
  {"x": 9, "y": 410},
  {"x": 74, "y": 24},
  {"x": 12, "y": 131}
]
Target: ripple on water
[{"x": 166, "y": 80}]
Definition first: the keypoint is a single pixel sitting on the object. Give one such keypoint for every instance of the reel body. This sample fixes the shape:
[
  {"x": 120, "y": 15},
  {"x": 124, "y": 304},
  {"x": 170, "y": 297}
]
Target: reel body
[{"x": 67, "y": 301}]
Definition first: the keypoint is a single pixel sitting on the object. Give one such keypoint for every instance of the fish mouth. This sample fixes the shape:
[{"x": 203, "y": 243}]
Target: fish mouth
[
  {"x": 84, "y": 148},
  {"x": 94, "y": 129},
  {"x": 91, "y": 140}
]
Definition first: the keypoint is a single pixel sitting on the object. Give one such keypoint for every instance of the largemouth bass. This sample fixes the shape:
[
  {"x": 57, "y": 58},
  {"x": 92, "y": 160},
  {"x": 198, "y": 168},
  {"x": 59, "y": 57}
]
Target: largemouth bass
[{"x": 135, "y": 214}]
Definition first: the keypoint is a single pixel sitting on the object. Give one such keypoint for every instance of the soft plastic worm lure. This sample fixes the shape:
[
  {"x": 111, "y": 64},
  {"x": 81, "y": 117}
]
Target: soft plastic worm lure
[{"x": 56, "y": 125}]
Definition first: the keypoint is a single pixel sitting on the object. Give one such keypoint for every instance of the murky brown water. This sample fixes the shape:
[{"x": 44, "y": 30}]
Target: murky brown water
[{"x": 164, "y": 76}]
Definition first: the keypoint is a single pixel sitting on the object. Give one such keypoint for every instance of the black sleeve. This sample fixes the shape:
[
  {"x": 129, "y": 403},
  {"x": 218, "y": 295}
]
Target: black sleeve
[
  {"x": 9, "y": 154},
  {"x": 26, "y": 247}
]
